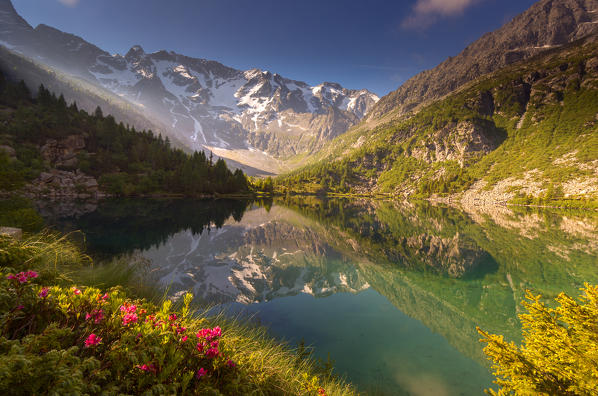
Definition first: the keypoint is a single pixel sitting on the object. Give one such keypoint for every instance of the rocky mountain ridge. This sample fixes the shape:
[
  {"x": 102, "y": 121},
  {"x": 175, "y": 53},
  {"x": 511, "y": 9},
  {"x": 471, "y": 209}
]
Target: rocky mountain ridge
[
  {"x": 526, "y": 132},
  {"x": 545, "y": 25}
]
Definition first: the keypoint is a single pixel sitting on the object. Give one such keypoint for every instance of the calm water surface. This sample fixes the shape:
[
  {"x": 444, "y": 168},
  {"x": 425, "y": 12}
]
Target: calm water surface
[{"x": 392, "y": 292}]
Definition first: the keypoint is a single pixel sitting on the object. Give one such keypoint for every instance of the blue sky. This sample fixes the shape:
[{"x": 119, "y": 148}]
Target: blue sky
[{"x": 374, "y": 44}]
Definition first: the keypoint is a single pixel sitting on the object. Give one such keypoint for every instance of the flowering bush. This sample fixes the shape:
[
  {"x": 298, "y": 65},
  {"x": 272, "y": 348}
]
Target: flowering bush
[
  {"x": 81, "y": 340},
  {"x": 85, "y": 340}
]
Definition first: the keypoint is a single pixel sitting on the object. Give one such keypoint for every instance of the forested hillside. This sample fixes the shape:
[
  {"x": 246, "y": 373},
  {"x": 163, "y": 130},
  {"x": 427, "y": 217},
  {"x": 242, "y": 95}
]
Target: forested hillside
[{"x": 44, "y": 138}]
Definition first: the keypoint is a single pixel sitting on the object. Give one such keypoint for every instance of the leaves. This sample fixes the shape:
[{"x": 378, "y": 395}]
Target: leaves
[{"x": 559, "y": 354}]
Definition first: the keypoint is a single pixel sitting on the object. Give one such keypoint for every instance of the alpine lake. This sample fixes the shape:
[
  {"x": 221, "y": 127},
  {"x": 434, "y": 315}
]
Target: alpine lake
[{"x": 389, "y": 292}]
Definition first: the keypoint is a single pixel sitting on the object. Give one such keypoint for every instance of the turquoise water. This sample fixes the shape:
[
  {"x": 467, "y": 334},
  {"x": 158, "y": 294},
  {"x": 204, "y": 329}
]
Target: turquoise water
[{"x": 391, "y": 292}]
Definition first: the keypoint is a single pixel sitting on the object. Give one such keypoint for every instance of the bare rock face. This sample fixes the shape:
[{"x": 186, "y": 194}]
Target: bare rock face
[
  {"x": 545, "y": 25},
  {"x": 459, "y": 142},
  {"x": 63, "y": 154},
  {"x": 64, "y": 184}
]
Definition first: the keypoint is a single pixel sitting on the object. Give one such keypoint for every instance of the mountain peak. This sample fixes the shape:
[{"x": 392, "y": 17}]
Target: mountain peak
[
  {"x": 136, "y": 51},
  {"x": 545, "y": 25},
  {"x": 14, "y": 28}
]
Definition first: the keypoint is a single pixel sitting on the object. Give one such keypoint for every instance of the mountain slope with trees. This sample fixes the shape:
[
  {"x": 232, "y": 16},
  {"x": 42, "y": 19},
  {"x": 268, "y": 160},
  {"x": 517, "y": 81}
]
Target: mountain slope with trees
[{"x": 42, "y": 135}]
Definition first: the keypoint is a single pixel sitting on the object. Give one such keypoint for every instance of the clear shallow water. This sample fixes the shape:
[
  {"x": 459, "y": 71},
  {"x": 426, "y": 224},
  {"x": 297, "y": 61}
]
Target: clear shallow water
[{"x": 391, "y": 291}]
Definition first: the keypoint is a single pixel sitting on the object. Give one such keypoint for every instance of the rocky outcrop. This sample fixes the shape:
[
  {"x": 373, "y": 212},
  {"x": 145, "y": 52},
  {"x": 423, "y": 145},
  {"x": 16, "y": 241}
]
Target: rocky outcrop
[
  {"x": 63, "y": 153},
  {"x": 460, "y": 142},
  {"x": 8, "y": 151},
  {"x": 64, "y": 184}
]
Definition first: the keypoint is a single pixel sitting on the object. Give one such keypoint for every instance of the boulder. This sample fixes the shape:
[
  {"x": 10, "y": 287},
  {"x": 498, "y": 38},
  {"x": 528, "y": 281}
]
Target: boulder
[
  {"x": 8, "y": 151},
  {"x": 15, "y": 233}
]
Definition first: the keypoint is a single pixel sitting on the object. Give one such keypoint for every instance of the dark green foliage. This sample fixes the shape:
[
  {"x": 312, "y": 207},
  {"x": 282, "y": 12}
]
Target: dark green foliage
[
  {"x": 125, "y": 161},
  {"x": 20, "y": 213}
]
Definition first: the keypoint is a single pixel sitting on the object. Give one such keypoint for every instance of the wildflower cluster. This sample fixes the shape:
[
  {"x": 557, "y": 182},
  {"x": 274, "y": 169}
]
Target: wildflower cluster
[
  {"x": 92, "y": 340},
  {"x": 22, "y": 277},
  {"x": 129, "y": 315}
]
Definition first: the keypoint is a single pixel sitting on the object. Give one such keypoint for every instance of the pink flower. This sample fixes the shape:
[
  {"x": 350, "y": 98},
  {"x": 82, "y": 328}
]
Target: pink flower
[
  {"x": 92, "y": 340},
  {"x": 23, "y": 277},
  {"x": 97, "y": 315},
  {"x": 184, "y": 338},
  {"x": 231, "y": 364},
  {"x": 209, "y": 334},
  {"x": 214, "y": 344},
  {"x": 76, "y": 291},
  {"x": 199, "y": 346},
  {"x": 145, "y": 367},
  {"x": 105, "y": 297},
  {"x": 172, "y": 317},
  {"x": 128, "y": 308},
  {"x": 31, "y": 274},
  {"x": 212, "y": 353},
  {"x": 216, "y": 331},
  {"x": 19, "y": 307},
  {"x": 201, "y": 372},
  {"x": 44, "y": 292},
  {"x": 129, "y": 318}
]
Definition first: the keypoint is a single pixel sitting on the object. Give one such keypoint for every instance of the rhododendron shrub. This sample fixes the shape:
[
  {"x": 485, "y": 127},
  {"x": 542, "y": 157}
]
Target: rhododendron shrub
[
  {"x": 80, "y": 340},
  {"x": 83, "y": 340}
]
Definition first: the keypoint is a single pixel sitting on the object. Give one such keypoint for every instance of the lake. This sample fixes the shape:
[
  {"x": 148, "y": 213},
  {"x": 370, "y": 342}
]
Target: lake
[{"x": 391, "y": 292}]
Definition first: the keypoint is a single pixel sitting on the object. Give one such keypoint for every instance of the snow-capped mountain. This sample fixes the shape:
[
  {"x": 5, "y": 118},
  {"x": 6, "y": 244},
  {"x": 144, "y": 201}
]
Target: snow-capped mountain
[
  {"x": 255, "y": 117},
  {"x": 216, "y": 107}
]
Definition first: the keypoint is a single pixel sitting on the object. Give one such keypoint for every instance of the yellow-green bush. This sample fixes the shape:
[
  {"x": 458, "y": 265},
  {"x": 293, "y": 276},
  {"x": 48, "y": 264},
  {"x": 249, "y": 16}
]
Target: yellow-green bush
[{"x": 559, "y": 353}]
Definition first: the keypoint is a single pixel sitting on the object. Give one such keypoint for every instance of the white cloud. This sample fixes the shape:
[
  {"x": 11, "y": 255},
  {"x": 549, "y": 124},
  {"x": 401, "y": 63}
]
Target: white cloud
[
  {"x": 69, "y": 3},
  {"x": 427, "y": 12}
]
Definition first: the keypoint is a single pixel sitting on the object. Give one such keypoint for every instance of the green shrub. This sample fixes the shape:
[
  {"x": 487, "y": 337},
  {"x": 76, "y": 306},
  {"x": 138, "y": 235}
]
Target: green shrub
[
  {"x": 20, "y": 213},
  {"x": 559, "y": 354}
]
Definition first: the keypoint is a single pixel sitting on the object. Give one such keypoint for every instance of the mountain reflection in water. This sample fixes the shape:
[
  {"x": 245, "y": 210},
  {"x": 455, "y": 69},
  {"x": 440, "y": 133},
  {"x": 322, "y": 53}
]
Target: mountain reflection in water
[{"x": 392, "y": 290}]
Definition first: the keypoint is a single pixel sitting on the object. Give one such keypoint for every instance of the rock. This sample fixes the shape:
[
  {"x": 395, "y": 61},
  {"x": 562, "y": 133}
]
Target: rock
[
  {"x": 46, "y": 177},
  {"x": 64, "y": 184},
  {"x": 8, "y": 151},
  {"x": 90, "y": 183},
  {"x": 63, "y": 153},
  {"x": 15, "y": 233},
  {"x": 68, "y": 163},
  {"x": 459, "y": 142}
]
